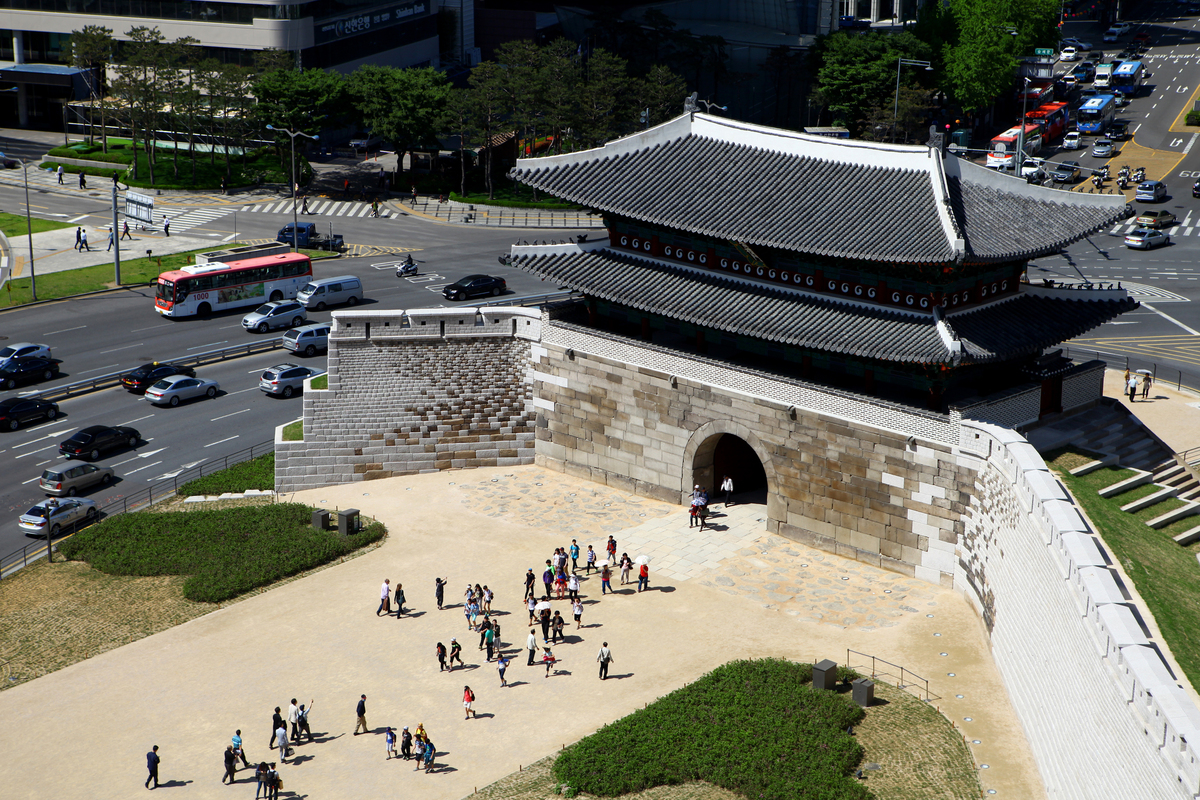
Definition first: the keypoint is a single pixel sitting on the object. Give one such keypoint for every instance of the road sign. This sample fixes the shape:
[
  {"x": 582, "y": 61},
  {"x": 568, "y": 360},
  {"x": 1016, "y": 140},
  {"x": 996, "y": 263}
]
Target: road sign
[
  {"x": 1043, "y": 51},
  {"x": 139, "y": 207}
]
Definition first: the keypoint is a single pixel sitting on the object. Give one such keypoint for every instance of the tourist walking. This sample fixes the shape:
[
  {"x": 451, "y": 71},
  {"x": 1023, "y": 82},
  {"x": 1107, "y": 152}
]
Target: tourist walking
[
  {"x": 702, "y": 512},
  {"x": 1146, "y": 387},
  {"x": 389, "y": 743},
  {"x": 230, "y": 765},
  {"x": 294, "y": 719},
  {"x": 455, "y": 654},
  {"x": 532, "y": 603},
  {"x": 111, "y": 240},
  {"x": 591, "y": 560},
  {"x": 276, "y": 721},
  {"x": 574, "y": 556},
  {"x": 152, "y": 762},
  {"x": 405, "y": 744},
  {"x": 643, "y": 577},
  {"x": 125, "y": 234},
  {"x": 60, "y": 174},
  {"x": 531, "y": 646},
  {"x": 167, "y": 225},
  {"x": 577, "y": 610},
  {"x": 530, "y": 579},
  {"x": 556, "y": 627},
  {"x": 239, "y": 749},
  {"x": 573, "y": 587},
  {"x": 420, "y": 751},
  {"x": 605, "y": 580},
  {"x": 548, "y": 579},
  {"x": 439, "y": 590},
  {"x": 727, "y": 488},
  {"x": 1133, "y": 387},
  {"x": 82, "y": 181},
  {"x": 488, "y": 596},
  {"x": 605, "y": 657},
  {"x": 260, "y": 774},
  {"x": 385, "y": 593},
  {"x": 281, "y": 742},
  {"x": 468, "y": 701},
  {"x": 274, "y": 784},
  {"x": 78, "y": 231},
  {"x": 83, "y": 244},
  {"x": 502, "y": 666},
  {"x": 489, "y": 641},
  {"x": 548, "y": 658},
  {"x": 302, "y": 717},
  {"x": 626, "y": 565},
  {"x": 545, "y": 621},
  {"x": 611, "y": 549},
  {"x": 361, "y": 712},
  {"x": 399, "y": 600},
  {"x": 441, "y": 657},
  {"x": 430, "y": 752}
]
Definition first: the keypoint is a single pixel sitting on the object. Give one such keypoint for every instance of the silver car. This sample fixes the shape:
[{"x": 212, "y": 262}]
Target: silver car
[
  {"x": 72, "y": 477},
  {"x": 23, "y": 350},
  {"x": 286, "y": 379},
  {"x": 307, "y": 339},
  {"x": 177, "y": 388},
  {"x": 1103, "y": 148},
  {"x": 276, "y": 314},
  {"x": 54, "y": 515}
]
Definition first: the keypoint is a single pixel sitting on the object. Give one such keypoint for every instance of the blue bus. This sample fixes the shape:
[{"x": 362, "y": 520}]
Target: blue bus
[
  {"x": 1128, "y": 78},
  {"x": 1096, "y": 113}
]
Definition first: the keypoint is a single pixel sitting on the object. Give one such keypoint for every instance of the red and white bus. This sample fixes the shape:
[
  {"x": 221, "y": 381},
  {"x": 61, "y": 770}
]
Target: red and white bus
[
  {"x": 1053, "y": 118},
  {"x": 1002, "y": 148},
  {"x": 204, "y": 288}
]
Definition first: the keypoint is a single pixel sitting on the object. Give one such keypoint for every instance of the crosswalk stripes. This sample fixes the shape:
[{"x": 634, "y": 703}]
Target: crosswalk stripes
[
  {"x": 1185, "y": 228},
  {"x": 319, "y": 208},
  {"x": 195, "y": 218}
]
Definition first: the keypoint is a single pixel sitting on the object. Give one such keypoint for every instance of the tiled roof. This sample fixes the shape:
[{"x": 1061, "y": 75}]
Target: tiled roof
[
  {"x": 1027, "y": 323},
  {"x": 1019, "y": 326},
  {"x": 838, "y": 198}
]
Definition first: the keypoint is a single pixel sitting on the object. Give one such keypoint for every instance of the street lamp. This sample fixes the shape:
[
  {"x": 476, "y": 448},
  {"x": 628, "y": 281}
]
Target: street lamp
[
  {"x": 913, "y": 62},
  {"x": 295, "y": 223},
  {"x": 1021, "y": 128},
  {"x": 28, "y": 225}
]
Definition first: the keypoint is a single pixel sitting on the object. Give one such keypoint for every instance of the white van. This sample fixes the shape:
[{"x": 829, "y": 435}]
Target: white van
[{"x": 330, "y": 292}]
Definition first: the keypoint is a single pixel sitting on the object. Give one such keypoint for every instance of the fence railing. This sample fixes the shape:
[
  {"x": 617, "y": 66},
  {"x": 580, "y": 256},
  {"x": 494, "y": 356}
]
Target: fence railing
[
  {"x": 1159, "y": 372},
  {"x": 510, "y": 217},
  {"x": 902, "y": 680},
  {"x": 531, "y": 299},
  {"x": 138, "y": 500},
  {"x": 111, "y": 379}
]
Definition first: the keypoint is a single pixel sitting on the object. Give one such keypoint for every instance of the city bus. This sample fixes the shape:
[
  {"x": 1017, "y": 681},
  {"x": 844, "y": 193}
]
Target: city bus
[
  {"x": 1052, "y": 117},
  {"x": 1129, "y": 77},
  {"x": 1096, "y": 113},
  {"x": 1001, "y": 148},
  {"x": 204, "y": 288}
]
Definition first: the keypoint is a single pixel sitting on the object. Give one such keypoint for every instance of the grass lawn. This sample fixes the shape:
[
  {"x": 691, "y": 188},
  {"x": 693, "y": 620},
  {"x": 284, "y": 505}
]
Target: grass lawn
[
  {"x": 1164, "y": 573},
  {"x": 255, "y": 473},
  {"x": 225, "y": 553},
  {"x": 294, "y": 431},
  {"x": 320, "y": 382},
  {"x": 512, "y": 195},
  {"x": 15, "y": 224},
  {"x": 210, "y": 167},
  {"x": 1136, "y": 493}
]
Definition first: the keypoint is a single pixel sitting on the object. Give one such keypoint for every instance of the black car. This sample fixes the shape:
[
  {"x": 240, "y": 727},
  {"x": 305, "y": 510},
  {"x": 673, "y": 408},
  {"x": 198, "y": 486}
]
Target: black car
[
  {"x": 1196, "y": 189},
  {"x": 474, "y": 286},
  {"x": 15, "y": 410},
  {"x": 1118, "y": 130},
  {"x": 27, "y": 370},
  {"x": 93, "y": 440},
  {"x": 147, "y": 375}
]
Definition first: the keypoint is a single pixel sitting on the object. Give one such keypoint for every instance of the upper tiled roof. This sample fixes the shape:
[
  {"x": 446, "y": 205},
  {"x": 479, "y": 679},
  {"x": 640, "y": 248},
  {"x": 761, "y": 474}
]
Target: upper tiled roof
[
  {"x": 1003, "y": 330},
  {"x": 810, "y": 194}
]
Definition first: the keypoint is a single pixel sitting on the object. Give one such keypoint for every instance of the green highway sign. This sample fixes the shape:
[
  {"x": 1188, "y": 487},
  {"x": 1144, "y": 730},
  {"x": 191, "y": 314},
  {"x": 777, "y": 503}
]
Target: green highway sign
[{"x": 1043, "y": 51}]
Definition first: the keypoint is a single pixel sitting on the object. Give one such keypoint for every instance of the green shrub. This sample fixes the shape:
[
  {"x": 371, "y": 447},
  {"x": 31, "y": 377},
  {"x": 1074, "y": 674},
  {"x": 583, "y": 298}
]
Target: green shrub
[
  {"x": 1193, "y": 118},
  {"x": 754, "y": 727},
  {"x": 225, "y": 553},
  {"x": 257, "y": 473}
]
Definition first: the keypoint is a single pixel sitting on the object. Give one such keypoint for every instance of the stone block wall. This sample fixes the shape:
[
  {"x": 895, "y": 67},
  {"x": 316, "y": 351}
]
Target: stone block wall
[
  {"x": 1103, "y": 713},
  {"x": 416, "y": 392}
]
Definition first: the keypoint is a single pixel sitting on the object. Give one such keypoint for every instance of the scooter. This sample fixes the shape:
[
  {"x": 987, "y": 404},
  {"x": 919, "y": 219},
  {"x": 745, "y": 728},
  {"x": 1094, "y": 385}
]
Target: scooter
[
  {"x": 1139, "y": 175},
  {"x": 407, "y": 267},
  {"x": 1104, "y": 172}
]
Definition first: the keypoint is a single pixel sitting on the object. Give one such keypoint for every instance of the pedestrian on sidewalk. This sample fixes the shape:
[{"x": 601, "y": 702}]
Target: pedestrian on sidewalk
[
  {"x": 60, "y": 174},
  {"x": 531, "y": 646},
  {"x": 573, "y": 587},
  {"x": 468, "y": 700},
  {"x": 548, "y": 579},
  {"x": 545, "y": 621},
  {"x": 294, "y": 719},
  {"x": 556, "y": 626},
  {"x": 488, "y": 597},
  {"x": 389, "y": 743},
  {"x": 643, "y": 578},
  {"x": 361, "y": 711},
  {"x": 125, "y": 234},
  {"x": 574, "y": 556},
  {"x": 702, "y": 512},
  {"x": 399, "y": 600},
  {"x": 385, "y": 593},
  {"x": 238, "y": 748},
  {"x": 626, "y": 565},
  {"x": 224, "y": 184},
  {"x": 260, "y": 774},
  {"x": 727, "y": 488},
  {"x": 441, "y": 657},
  {"x": 591, "y": 560},
  {"x": 1132, "y": 386},
  {"x": 605, "y": 580},
  {"x": 532, "y": 603},
  {"x": 414, "y": 195},
  {"x": 273, "y": 782},
  {"x": 612, "y": 550},
  {"x": 78, "y": 232},
  {"x": 110, "y": 240},
  {"x": 115, "y": 184},
  {"x": 83, "y": 245},
  {"x": 230, "y": 766},
  {"x": 430, "y": 752},
  {"x": 302, "y": 716},
  {"x": 420, "y": 751},
  {"x": 152, "y": 762},
  {"x": 439, "y": 590},
  {"x": 276, "y": 721},
  {"x": 530, "y": 579},
  {"x": 1146, "y": 387},
  {"x": 502, "y": 666},
  {"x": 405, "y": 744},
  {"x": 489, "y": 641},
  {"x": 577, "y": 611},
  {"x": 455, "y": 654},
  {"x": 281, "y": 741},
  {"x": 548, "y": 658},
  {"x": 605, "y": 657},
  {"x": 82, "y": 181},
  {"x": 167, "y": 225}
]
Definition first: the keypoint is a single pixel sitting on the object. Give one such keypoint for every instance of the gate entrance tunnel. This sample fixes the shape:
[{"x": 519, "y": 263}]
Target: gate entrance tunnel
[{"x": 726, "y": 454}]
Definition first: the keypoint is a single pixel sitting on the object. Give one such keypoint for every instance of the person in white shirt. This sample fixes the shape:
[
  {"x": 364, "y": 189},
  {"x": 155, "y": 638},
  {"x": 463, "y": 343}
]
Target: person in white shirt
[
  {"x": 604, "y": 657},
  {"x": 727, "y": 488},
  {"x": 573, "y": 587},
  {"x": 294, "y": 720},
  {"x": 385, "y": 592}
]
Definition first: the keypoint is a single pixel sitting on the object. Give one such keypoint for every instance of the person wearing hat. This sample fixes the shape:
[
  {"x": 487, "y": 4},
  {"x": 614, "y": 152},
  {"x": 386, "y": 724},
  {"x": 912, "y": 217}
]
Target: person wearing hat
[
  {"x": 455, "y": 654},
  {"x": 530, "y": 578},
  {"x": 547, "y": 657},
  {"x": 405, "y": 744},
  {"x": 389, "y": 741}
]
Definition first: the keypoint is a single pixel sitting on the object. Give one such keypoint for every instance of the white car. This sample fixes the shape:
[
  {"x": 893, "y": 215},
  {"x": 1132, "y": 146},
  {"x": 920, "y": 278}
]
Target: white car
[
  {"x": 1112, "y": 35},
  {"x": 1122, "y": 27},
  {"x": 1078, "y": 44},
  {"x": 1072, "y": 141},
  {"x": 1069, "y": 54},
  {"x": 1033, "y": 166},
  {"x": 176, "y": 388},
  {"x": 57, "y": 514},
  {"x": 24, "y": 350}
]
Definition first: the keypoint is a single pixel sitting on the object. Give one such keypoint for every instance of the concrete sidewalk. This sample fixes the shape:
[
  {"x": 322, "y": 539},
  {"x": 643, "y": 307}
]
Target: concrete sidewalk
[
  {"x": 318, "y": 637},
  {"x": 54, "y": 251},
  {"x": 1173, "y": 416}
]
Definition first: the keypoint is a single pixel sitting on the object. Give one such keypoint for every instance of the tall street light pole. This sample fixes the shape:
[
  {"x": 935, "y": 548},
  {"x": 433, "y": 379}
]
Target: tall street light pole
[
  {"x": 900, "y": 62},
  {"x": 1020, "y": 154},
  {"x": 28, "y": 226},
  {"x": 295, "y": 222}
]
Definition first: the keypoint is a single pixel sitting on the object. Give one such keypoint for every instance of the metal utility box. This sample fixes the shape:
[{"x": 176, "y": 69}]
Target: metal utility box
[
  {"x": 863, "y": 691},
  {"x": 320, "y": 519},
  {"x": 348, "y": 521},
  {"x": 825, "y": 675}
]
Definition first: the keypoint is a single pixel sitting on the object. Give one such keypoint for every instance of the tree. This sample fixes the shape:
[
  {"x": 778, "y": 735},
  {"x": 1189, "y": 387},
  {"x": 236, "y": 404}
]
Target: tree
[
  {"x": 178, "y": 57},
  {"x": 908, "y": 116},
  {"x": 662, "y": 92},
  {"x": 857, "y": 73},
  {"x": 92, "y": 49},
  {"x": 297, "y": 100},
  {"x": 603, "y": 107},
  {"x": 560, "y": 87},
  {"x": 459, "y": 119},
  {"x": 138, "y": 89},
  {"x": 404, "y": 106},
  {"x": 271, "y": 59},
  {"x": 488, "y": 99}
]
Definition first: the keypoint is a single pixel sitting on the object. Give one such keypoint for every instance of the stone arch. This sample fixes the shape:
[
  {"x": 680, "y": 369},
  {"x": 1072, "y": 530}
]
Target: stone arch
[{"x": 702, "y": 446}]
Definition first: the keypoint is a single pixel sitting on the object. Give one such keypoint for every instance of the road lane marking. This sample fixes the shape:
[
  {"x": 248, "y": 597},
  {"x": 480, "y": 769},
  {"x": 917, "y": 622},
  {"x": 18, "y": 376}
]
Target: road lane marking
[
  {"x": 234, "y": 414},
  {"x": 65, "y": 330},
  {"x": 98, "y": 369},
  {"x": 214, "y": 344},
  {"x": 228, "y": 394},
  {"x": 31, "y": 480},
  {"x": 77, "y": 219},
  {"x": 31, "y": 452},
  {"x": 231, "y": 438},
  {"x": 152, "y": 327},
  {"x": 139, "y": 469},
  {"x": 139, "y": 419},
  {"x": 126, "y": 347},
  {"x": 1169, "y": 318}
]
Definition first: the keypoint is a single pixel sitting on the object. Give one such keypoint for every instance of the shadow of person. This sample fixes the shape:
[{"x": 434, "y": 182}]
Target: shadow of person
[
  {"x": 620, "y": 677},
  {"x": 413, "y": 614},
  {"x": 321, "y": 738},
  {"x": 173, "y": 784},
  {"x": 517, "y": 683},
  {"x": 485, "y": 716},
  {"x": 667, "y": 589},
  {"x": 300, "y": 760}
]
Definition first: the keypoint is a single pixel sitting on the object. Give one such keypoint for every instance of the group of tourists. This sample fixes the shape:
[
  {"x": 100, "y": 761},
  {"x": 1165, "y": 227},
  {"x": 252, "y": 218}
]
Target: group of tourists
[{"x": 414, "y": 745}]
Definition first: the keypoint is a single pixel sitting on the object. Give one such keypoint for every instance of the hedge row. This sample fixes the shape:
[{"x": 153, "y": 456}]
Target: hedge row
[
  {"x": 757, "y": 728},
  {"x": 225, "y": 553},
  {"x": 257, "y": 473}
]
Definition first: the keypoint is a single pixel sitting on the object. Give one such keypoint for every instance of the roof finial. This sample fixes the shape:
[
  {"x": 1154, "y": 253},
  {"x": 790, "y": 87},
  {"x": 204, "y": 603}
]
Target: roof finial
[{"x": 689, "y": 104}]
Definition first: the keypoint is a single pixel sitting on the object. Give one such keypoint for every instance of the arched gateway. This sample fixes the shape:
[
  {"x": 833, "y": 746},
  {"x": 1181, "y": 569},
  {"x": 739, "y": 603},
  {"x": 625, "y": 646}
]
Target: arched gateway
[{"x": 725, "y": 447}]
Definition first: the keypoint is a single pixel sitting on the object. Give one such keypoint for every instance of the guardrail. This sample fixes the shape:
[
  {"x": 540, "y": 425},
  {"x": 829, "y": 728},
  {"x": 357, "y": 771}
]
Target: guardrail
[
  {"x": 1125, "y": 361},
  {"x": 902, "y": 680},
  {"x": 531, "y": 300},
  {"x": 137, "y": 501},
  {"x": 511, "y": 217},
  {"x": 114, "y": 378}
]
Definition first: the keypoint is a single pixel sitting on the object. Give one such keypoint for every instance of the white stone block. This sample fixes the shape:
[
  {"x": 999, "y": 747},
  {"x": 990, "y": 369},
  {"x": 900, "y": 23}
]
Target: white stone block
[
  {"x": 920, "y": 497},
  {"x": 934, "y": 491},
  {"x": 940, "y": 560},
  {"x": 918, "y": 516},
  {"x": 546, "y": 377},
  {"x": 928, "y": 574},
  {"x": 893, "y": 480}
]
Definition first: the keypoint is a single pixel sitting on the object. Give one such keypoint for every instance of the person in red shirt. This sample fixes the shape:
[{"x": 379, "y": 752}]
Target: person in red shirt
[{"x": 643, "y": 577}]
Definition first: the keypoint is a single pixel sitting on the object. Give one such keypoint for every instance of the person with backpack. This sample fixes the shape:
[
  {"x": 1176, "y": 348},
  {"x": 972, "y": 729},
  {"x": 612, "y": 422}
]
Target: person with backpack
[
  {"x": 274, "y": 782},
  {"x": 441, "y": 657},
  {"x": 468, "y": 701},
  {"x": 455, "y": 654},
  {"x": 302, "y": 718},
  {"x": 612, "y": 551},
  {"x": 260, "y": 774}
]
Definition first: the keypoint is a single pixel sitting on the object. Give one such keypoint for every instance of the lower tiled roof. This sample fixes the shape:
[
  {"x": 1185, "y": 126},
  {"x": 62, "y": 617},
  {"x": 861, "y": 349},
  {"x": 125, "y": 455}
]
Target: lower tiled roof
[{"x": 1017, "y": 327}]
